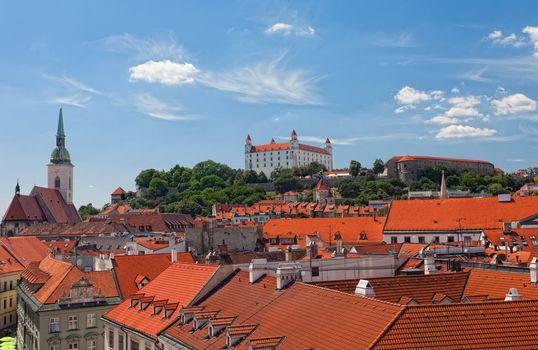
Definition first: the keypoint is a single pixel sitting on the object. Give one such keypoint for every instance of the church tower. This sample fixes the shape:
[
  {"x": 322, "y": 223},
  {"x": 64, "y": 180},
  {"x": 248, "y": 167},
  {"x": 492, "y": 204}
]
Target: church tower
[{"x": 60, "y": 169}]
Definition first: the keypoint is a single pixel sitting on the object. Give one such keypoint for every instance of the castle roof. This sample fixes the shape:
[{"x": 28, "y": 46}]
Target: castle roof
[
  {"x": 408, "y": 158},
  {"x": 118, "y": 191}
]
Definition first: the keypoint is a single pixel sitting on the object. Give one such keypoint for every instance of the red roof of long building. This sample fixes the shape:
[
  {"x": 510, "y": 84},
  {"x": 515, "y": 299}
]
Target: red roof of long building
[
  {"x": 457, "y": 213},
  {"x": 412, "y": 158},
  {"x": 24, "y": 208}
]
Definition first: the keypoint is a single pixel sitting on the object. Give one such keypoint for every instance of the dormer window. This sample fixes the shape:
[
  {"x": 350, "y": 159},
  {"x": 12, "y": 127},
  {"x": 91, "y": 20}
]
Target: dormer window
[{"x": 533, "y": 240}]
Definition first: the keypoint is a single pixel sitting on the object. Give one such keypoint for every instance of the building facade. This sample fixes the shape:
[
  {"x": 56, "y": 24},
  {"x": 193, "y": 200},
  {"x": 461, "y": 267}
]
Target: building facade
[
  {"x": 411, "y": 168},
  {"x": 286, "y": 155}
]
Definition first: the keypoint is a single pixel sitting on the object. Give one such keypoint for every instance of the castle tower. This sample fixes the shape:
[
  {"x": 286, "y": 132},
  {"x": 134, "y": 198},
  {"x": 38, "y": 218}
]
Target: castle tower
[
  {"x": 60, "y": 169},
  {"x": 329, "y": 150}
]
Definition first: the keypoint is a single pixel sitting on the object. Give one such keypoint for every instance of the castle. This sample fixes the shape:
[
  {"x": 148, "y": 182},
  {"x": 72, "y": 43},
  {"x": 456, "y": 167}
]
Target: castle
[{"x": 286, "y": 155}]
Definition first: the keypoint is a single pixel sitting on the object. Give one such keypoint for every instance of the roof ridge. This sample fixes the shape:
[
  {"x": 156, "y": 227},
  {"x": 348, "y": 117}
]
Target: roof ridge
[{"x": 389, "y": 326}]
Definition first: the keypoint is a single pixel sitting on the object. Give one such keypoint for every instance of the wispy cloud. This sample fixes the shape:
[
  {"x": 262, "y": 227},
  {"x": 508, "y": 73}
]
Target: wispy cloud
[
  {"x": 77, "y": 100},
  {"x": 151, "y": 106},
  {"x": 288, "y": 29},
  {"x": 145, "y": 49},
  {"x": 72, "y": 83},
  {"x": 266, "y": 82},
  {"x": 516, "y": 160},
  {"x": 499, "y": 38},
  {"x": 476, "y": 75},
  {"x": 348, "y": 141}
]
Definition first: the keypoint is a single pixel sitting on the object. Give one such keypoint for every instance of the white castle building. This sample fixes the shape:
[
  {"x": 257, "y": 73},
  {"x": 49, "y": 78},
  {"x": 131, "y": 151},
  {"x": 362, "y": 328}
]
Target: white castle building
[{"x": 266, "y": 158}]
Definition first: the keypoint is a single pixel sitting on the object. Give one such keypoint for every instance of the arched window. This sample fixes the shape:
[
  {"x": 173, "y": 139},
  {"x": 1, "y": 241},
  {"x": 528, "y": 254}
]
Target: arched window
[
  {"x": 70, "y": 183},
  {"x": 57, "y": 183}
]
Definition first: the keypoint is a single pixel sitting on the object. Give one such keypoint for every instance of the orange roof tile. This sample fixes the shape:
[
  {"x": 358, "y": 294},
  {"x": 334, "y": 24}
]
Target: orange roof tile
[
  {"x": 457, "y": 213},
  {"x": 179, "y": 283},
  {"x": 412, "y": 158},
  {"x": 271, "y": 147},
  {"x": 118, "y": 191},
  {"x": 495, "y": 284}
]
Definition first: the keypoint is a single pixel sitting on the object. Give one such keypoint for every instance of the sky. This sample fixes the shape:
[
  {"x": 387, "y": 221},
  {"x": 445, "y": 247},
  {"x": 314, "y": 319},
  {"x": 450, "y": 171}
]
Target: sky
[{"x": 147, "y": 84}]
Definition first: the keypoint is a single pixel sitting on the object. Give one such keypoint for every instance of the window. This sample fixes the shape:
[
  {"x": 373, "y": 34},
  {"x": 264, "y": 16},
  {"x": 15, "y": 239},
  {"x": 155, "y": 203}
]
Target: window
[
  {"x": 134, "y": 345},
  {"x": 393, "y": 240},
  {"x": 5, "y": 303},
  {"x": 421, "y": 239},
  {"x": 54, "y": 347},
  {"x": 10, "y": 302},
  {"x": 54, "y": 325},
  {"x": 315, "y": 271},
  {"x": 72, "y": 345},
  {"x": 436, "y": 239},
  {"x": 10, "y": 285},
  {"x": 111, "y": 339},
  {"x": 91, "y": 321},
  {"x": 72, "y": 322},
  {"x": 407, "y": 239},
  {"x": 120, "y": 341},
  {"x": 91, "y": 344},
  {"x": 450, "y": 239},
  {"x": 5, "y": 285}
]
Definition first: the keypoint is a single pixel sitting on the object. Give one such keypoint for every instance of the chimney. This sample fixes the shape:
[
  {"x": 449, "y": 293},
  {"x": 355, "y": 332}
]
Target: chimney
[
  {"x": 429, "y": 266},
  {"x": 365, "y": 289},
  {"x": 223, "y": 249},
  {"x": 287, "y": 273},
  {"x": 171, "y": 240},
  {"x": 173, "y": 255},
  {"x": 256, "y": 269},
  {"x": 288, "y": 254},
  {"x": 513, "y": 295},
  {"x": 532, "y": 267},
  {"x": 312, "y": 251},
  {"x": 338, "y": 240}
]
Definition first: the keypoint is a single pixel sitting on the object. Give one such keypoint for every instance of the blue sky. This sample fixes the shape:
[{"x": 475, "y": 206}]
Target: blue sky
[{"x": 146, "y": 84}]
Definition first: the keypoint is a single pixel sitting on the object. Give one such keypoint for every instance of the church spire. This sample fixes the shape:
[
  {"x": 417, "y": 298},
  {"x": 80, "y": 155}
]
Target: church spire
[
  {"x": 60, "y": 155},
  {"x": 443, "y": 194},
  {"x": 60, "y": 134},
  {"x": 17, "y": 189}
]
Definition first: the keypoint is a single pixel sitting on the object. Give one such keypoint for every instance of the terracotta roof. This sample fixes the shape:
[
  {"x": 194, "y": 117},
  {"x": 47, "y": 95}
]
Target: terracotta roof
[
  {"x": 24, "y": 208},
  {"x": 118, "y": 191},
  {"x": 495, "y": 284},
  {"x": 155, "y": 222},
  {"x": 56, "y": 278},
  {"x": 321, "y": 186},
  {"x": 312, "y": 148},
  {"x": 64, "y": 248},
  {"x": 25, "y": 249},
  {"x": 457, "y": 213},
  {"x": 464, "y": 326},
  {"x": 179, "y": 283},
  {"x": 421, "y": 288},
  {"x": 56, "y": 205},
  {"x": 412, "y": 158},
  {"x": 271, "y": 147},
  {"x": 308, "y": 317},
  {"x": 127, "y": 267},
  {"x": 265, "y": 343},
  {"x": 379, "y": 248},
  {"x": 350, "y": 228},
  {"x": 78, "y": 229}
]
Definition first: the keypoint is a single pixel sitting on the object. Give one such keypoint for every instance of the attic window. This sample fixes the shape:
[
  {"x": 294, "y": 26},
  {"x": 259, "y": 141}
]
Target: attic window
[{"x": 533, "y": 240}]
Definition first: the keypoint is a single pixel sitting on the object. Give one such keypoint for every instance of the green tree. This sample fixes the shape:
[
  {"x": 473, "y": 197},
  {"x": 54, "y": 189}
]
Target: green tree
[
  {"x": 143, "y": 179},
  {"x": 210, "y": 167},
  {"x": 354, "y": 168},
  {"x": 378, "y": 167},
  {"x": 287, "y": 182},
  {"x": 212, "y": 181},
  {"x": 157, "y": 187},
  {"x": 87, "y": 210}
]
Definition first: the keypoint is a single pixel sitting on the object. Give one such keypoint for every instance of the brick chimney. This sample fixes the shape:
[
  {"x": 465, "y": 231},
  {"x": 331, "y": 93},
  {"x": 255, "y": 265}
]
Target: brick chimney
[
  {"x": 513, "y": 295},
  {"x": 312, "y": 251},
  {"x": 286, "y": 273},
  {"x": 256, "y": 269},
  {"x": 533, "y": 267},
  {"x": 365, "y": 289}
]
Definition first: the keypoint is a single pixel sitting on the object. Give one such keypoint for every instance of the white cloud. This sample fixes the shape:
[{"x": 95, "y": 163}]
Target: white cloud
[
  {"x": 533, "y": 35},
  {"x": 501, "y": 90},
  {"x": 145, "y": 49},
  {"x": 444, "y": 120},
  {"x": 455, "y": 90},
  {"x": 408, "y": 95},
  {"x": 266, "y": 82},
  {"x": 517, "y": 103},
  {"x": 463, "y": 131},
  {"x": 164, "y": 72},
  {"x": 516, "y": 160},
  {"x": 77, "y": 100},
  {"x": 403, "y": 109},
  {"x": 287, "y": 29},
  {"x": 155, "y": 108},
  {"x": 498, "y": 37}
]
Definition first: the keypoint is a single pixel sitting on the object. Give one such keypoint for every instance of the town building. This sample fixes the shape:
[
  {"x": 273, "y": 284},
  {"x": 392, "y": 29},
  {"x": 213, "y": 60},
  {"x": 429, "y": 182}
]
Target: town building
[
  {"x": 286, "y": 155},
  {"x": 16, "y": 253},
  {"x": 137, "y": 321},
  {"x": 411, "y": 168},
  {"x": 457, "y": 219},
  {"x": 60, "y": 306},
  {"x": 118, "y": 196}
]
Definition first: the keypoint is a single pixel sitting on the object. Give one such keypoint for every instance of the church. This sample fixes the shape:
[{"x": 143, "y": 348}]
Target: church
[{"x": 51, "y": 204}]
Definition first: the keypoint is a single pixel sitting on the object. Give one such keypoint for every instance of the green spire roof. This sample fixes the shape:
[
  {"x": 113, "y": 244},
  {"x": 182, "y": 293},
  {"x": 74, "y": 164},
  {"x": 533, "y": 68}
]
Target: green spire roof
[{"x": 59, "y": 154}]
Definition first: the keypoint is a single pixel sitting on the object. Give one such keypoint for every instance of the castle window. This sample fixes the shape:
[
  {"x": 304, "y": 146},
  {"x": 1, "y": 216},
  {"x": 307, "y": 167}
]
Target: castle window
[{"x": 57, "y": 183}]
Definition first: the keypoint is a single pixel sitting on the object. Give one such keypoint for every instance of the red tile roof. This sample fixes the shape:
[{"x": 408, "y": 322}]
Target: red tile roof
[
  {"x": 457, "y": 213},
  {"x": 118, "y": 191},
  {"x": 25, "y": 249},
  {"x": 271, "y": 147},
  {"x": 56, "y": 278},
  {"x": 55, "y": 204},
  {"x": 321, "y": 186},
  {"x": 350, "y": 228},
  {"x": 78, "y": 229},
  {"x": 498, "y": 325},
  {"x": 495, "y": 284},
  {"x": 421, "y": 288},
  {"x": 127, "y": 267},
  {"x": 24, "y": 208},
  {"x": 179, "y": 283},
  {"x": 308, "y": 317}
]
